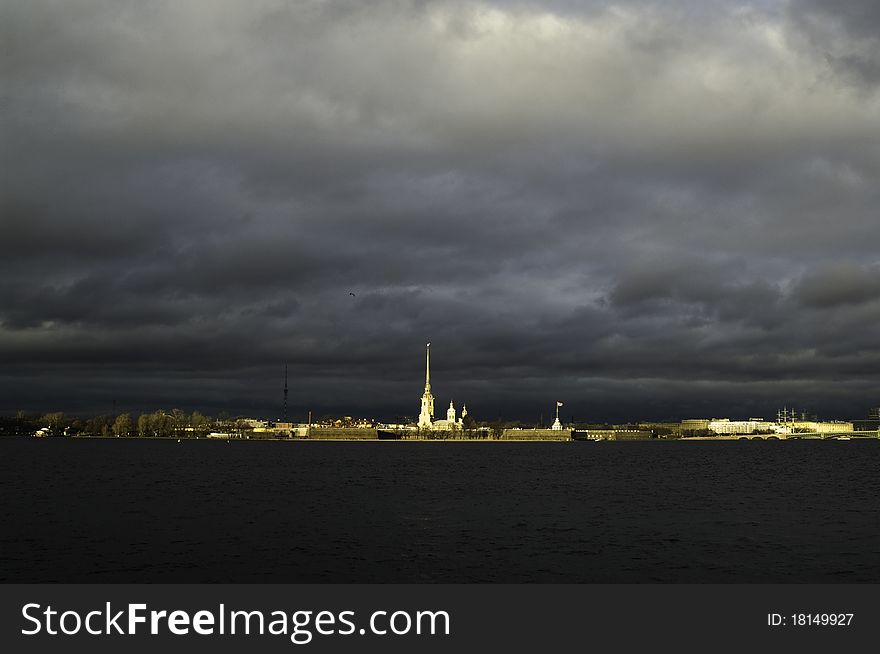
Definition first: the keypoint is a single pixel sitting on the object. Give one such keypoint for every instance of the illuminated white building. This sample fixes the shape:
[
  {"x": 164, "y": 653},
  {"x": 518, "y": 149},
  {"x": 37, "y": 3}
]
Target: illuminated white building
[
  {"x": 815, "y": 427},
  {"x": 727, "y": 426},
  {"x": 426, "y": 414}
]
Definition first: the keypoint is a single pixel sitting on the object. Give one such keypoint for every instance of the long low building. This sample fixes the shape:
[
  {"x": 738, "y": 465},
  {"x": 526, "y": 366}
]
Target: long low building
[
  {"x": 694, "y": 426},
  {"x": 343, "y": 433},
  {"x": 536, "y": 435},
  {"x": 727, "y": 427},
  {"x": 612, "y": 435},
  {"x": 810, "y": 426}
]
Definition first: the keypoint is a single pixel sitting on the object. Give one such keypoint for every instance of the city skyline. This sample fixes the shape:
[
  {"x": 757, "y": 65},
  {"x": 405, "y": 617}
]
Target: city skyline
[
  {"x": 648, "y": 210},
  {"x": 426, "y": 415}
]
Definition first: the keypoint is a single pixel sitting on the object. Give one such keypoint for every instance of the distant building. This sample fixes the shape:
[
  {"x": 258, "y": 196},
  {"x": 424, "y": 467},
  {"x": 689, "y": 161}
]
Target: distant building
[
  {"x": 520, "y": 434},
  {"x": 396, "y": 427},
  {"x": 611, "y": 434},
  {"x": 662, "y": 429},
  {"x": 694, "y": 426},
  {"x": 727, "y": 427},
  {"x": 814, "y": 427},
  {"x": 426, "y": 414},
  {"x": 871, "y": 423},
  {"x": 346, "y": 422}
]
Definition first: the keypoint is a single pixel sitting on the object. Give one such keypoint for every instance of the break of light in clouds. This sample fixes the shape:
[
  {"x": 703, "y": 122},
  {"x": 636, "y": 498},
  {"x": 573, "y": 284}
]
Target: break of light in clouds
[{"x": 648, "y": 209}]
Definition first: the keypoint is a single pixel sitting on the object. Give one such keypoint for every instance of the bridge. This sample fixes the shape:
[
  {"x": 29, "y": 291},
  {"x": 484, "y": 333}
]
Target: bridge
[{"x": 808, "y": 436}]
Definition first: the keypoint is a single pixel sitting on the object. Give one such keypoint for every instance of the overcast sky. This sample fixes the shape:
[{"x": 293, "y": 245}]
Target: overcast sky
[{"x": 647, "y": 210}]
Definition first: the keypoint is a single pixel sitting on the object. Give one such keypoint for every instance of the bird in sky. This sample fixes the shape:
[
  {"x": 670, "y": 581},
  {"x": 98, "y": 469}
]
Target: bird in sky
[{"x": 352, "y": 294}]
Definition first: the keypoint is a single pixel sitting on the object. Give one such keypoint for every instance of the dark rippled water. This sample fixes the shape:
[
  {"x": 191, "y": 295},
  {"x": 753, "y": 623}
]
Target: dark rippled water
[{"x": 200, "y": 511}]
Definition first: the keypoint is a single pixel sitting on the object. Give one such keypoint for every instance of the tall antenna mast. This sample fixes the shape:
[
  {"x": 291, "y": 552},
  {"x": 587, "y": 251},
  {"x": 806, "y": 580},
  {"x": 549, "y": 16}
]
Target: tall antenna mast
[{"x": 284, "y": 407}]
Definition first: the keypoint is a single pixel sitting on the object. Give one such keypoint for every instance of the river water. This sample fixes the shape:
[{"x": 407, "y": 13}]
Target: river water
[{"x": 78, "y": 510}]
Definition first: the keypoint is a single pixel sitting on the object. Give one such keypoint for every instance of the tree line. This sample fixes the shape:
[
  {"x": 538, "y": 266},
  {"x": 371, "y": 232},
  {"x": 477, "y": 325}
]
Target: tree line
[{"x": 157, "y": 424}]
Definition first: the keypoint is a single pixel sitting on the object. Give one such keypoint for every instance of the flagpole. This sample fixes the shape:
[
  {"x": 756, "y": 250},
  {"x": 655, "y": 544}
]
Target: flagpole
[{"x": 557, "y": 425}]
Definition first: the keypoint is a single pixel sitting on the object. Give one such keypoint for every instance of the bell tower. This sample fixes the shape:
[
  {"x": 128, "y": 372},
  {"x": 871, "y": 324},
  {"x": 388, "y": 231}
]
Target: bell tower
[
  {"x": 426, "y": 416},
  {"x": 450, "y": 413}
]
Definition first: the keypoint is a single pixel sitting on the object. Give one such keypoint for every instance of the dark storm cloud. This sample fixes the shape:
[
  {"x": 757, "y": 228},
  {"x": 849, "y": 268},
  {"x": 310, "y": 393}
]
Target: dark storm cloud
[
  {"x": 646, "y": 209},
  {"x": 849, "y": 34},
  {"x": 845, "y": 284},
  {"x": 861, "y": 18}
]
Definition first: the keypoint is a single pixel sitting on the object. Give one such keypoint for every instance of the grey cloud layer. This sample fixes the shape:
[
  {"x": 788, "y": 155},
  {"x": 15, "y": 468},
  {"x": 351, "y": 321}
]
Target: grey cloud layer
[{"x": 650, "y": 209}]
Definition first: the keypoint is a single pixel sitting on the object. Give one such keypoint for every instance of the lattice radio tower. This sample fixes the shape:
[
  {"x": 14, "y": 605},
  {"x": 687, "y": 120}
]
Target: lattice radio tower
[{"x": 284, "y": 406}]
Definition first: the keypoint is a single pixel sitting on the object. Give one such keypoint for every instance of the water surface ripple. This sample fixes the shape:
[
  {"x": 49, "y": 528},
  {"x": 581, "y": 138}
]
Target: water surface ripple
[{"x": 204, "y": 511}]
